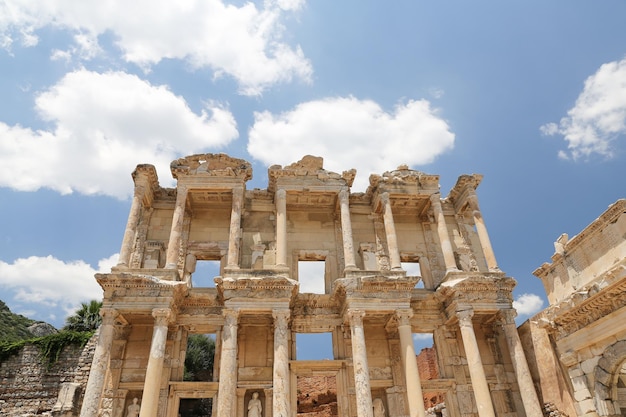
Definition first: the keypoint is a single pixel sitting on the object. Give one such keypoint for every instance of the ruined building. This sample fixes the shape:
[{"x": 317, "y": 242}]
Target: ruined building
[{"x": 370, "y": 305}]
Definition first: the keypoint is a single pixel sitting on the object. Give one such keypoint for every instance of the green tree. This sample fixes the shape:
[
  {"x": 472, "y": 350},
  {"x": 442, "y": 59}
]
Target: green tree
[
  {"x": 199, "y": 358},
  {"x": 86, "y": 318}
]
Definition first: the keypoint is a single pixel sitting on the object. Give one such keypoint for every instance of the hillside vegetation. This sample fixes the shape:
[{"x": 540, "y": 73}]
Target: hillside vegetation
[{"x": 13, "y": 327}]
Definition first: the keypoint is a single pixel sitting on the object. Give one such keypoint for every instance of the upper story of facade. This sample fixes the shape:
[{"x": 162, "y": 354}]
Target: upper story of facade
[{"x": 306, "y": 213}]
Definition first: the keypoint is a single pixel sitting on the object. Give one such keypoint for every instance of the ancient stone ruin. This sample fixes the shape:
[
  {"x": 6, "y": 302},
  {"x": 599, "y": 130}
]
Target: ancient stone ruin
[{"x": 259, "y": 303}]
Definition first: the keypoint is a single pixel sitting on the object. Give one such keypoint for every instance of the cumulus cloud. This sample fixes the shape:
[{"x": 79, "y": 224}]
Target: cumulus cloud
[
  {"x": 351, "y": 133},
  {"x": 102, "y": 125},
  {"x": 599, "y": 116},
  {"x": 243, "y": 42},
  {"x": 51, "y": 286},
  {"x": 528, "y": 304}
]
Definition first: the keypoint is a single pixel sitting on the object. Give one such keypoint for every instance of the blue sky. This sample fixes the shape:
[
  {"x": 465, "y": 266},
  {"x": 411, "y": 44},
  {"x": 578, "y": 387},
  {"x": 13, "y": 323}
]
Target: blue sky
[{"x": 530, "y": 94}]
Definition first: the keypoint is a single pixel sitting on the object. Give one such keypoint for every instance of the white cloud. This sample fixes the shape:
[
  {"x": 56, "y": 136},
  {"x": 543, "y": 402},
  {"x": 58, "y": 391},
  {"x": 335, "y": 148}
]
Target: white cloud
[
  {"x": 311, "y": 277},
  {"x": 351, "y": 133},
  {"x": 527, "y": 304},
  {"x": 244, "y": 42},
  {"x": 599, "y": 116},
  {"x": 59, "y": 287},
  {"x": 103, "y": 125}
]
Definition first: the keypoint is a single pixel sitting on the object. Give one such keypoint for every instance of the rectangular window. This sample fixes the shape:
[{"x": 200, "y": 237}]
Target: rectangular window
[
  {"x": 314, "y": 346},
  {"x": 312, "y": 276},
  {"x": 205, "y": 273}
]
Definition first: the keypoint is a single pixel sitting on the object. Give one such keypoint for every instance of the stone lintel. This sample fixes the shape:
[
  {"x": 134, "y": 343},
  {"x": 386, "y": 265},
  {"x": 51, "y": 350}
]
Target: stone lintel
[
  {"x": 211, "y": 165},
  {"x": 126, "y": 285},
  {"x": 261, "y": 287}
]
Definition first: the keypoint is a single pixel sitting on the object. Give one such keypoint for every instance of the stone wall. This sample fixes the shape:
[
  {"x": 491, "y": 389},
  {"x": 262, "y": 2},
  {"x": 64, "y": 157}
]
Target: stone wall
[{"x": 28, "y": 387}]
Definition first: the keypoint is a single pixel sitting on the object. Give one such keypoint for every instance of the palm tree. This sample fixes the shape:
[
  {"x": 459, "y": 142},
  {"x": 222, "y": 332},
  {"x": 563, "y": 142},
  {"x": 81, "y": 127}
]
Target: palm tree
[{"x": 86, "y": 318}]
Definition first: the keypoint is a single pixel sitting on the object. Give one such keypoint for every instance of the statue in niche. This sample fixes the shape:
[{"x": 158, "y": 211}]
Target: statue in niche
[
  {"x": 379, "y": 407},
  {"x": 133, "y": 409},
  {"x": 254, "y": 406}
]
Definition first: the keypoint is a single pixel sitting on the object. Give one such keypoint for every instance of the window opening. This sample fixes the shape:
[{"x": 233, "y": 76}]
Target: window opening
[
  {"x": 206, "y": 271},
  {"x": 314, "y": 346},
  {"x": 311, "y": 276},
  {"x": 413, "y": 269},
  {"x": 195, "y": 407},
  {"x": 199, "y": 357}
]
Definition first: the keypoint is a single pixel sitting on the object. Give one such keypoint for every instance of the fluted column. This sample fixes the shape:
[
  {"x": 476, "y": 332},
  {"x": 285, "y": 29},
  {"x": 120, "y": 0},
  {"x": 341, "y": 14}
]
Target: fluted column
[
  {"x": 346, "y": 230},
  {"x": 390, "y": 232},
  {"x": 227, "y": 393},
  {"x": 520, "y": 365},
  {"x": 234, "y": 237},
  {"x": 362, "y": 385},
  {"x": 154, "y": 371},
  {"x": 411, "y": 373},
  {"x": 442, "y": 232},
  {"x": 97, "y": 373},
  {"x": 475, "y": 365},
  {"x": 177, "y": 228},
  {"x": 281, "y": 394},
  {"x": 131, "y": 226},
  {"x": 281, "y": 228},
  {"x": 481, "y": 229}
]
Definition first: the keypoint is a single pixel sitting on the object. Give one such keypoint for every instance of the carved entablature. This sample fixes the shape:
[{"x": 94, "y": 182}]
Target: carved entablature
[
  {"x": 465, "y": 186},
  {"x": 212, "y": 165},
  {"x": 307, "y": 172},
  {"x": 589, "y": 304},
  {"x": 375, "y": 286},
  {"x": 145, "y": 178},
  {"x": 257, "y": 287},
  {"x": 405, "y": 181},
  {"x": 482, "y": 291}
]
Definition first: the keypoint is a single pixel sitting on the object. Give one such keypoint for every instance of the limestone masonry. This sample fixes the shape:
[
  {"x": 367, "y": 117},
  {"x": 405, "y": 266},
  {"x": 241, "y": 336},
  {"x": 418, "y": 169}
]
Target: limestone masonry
[{"x": 368, "y": 300}]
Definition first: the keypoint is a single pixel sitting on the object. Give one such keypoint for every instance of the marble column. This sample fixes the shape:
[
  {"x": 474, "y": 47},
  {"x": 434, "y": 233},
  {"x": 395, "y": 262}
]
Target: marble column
[
  {"x": 346, "y": 230},
  {"x": 131, "y": 227},
  {"x": 481, "y": 229},
  {"x": 234, "y": 238},
  {"x": 475, "y": 365},
  {"x": 281, "y": 394},
  {"x": 390, "y": 232},
  {"x": 362, "y": 385},
  {"x": 154, "y": 370},
  {"x": 281, "y": 228},
  {"x": 173, "y": 246},
  {"x": 99, "y": 364},
  {"x": 227, "y": 391},
  {"x": 520, "y": 365},
  {"x": 411, "y": 373},
  {"x": 442, "y": 233}
]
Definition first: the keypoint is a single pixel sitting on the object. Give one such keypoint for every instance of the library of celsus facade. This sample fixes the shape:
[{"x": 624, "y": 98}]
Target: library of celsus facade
[{"x": 257, "y": 307}]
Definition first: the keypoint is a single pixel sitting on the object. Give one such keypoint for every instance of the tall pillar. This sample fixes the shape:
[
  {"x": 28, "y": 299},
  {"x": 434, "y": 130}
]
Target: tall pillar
[
  {"x": 154, "y": 371},
  {"x": 234, "y": 237},
  {"x": 475, "y": 365},
  {"x": 227, "y": 394},
  {"x": 481, "y": 229},
  {"x": 390, "y": 231},
  {"x": 442, "y": 232},
  {"x": 281, "y": 227},
  {"x": 520, "y": 365},
  {"x": 411, "y": 373},
  {"x": 97, "y": 373},
  {"x": 131, "y": 227},
  {"x": 269, "y": 394},
  {"x": 281, "y": 394},
  {"x": 362, "y": 385},
  {"x": 177, "y": 228},
  {"x": 346, "y": 229}
]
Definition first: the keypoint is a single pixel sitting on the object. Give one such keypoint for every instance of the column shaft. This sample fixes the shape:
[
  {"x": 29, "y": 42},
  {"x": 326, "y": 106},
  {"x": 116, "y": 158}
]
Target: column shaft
[
  {"x": 390, "y": 231},
  {"x": 483, "y": 236},
  {"x": 154, "y": 370},
  {"x": 99, "y": 364},
  {"x": 281, "y": 228},
  {"x": 346, "y": 230},
  {"x": 520, "y": 365},
  {"x": 442, "y": 233},
  {"x": 227, "y": 393},
  {"x": 411, "y": 373},
  {"x": 475, "y": 365},
  {"x": 131, "y": 227},
  {"x": 362, "y": 385},
  {"x": 234, "y": 238},
  {"x": 281, "y": 392},
  {"x": 177, "y": 227}
]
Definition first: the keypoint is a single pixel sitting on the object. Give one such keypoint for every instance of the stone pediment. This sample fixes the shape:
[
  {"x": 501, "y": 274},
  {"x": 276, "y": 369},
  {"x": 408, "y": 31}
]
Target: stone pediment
[
  {"x": 308, "y": 171},
  {"x": 403, "y": 180},
  {"x": 212, "y": 165}
]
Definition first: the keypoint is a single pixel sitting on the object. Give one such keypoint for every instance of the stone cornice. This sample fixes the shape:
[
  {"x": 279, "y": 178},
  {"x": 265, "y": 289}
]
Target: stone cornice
[
  {"x": 403, "y": 176},
  {"x": 211, "y": 165},
  {"x": 464, "y": 186},
  {"x": 309, "y": 168},
  {"x": 482, "y": 290}
]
